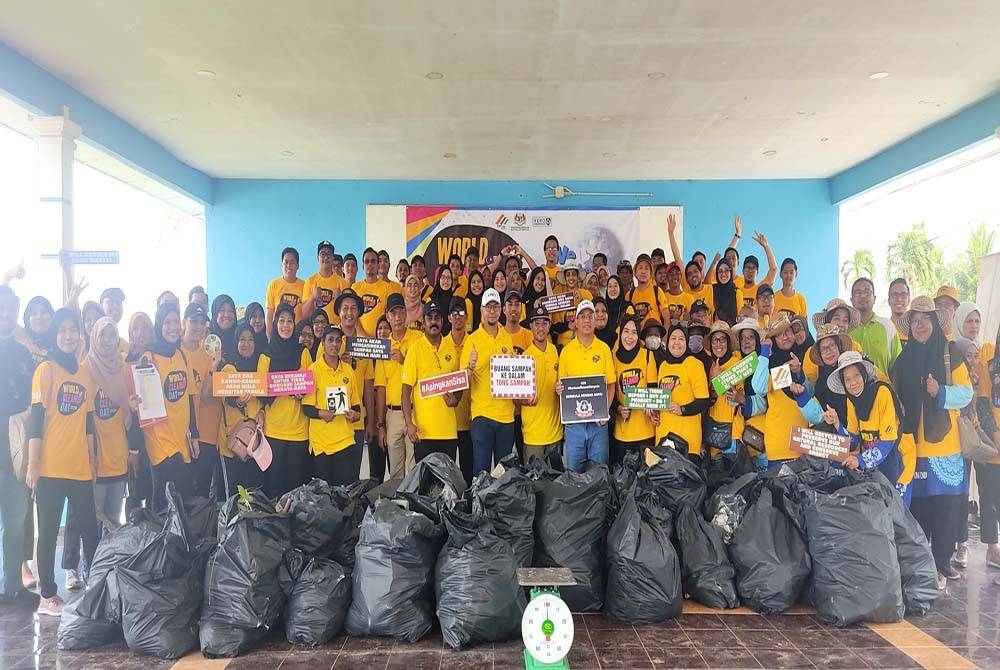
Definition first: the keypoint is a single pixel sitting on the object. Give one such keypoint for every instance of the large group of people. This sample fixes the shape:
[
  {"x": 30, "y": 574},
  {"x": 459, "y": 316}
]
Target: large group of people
[{"x": 895, "y": 387}]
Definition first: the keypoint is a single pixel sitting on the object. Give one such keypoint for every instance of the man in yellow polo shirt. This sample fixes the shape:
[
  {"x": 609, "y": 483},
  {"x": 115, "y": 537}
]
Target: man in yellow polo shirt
[
  {"x": 431, "y": 423},
  {"x": 492, "y": 424},
  {"x": 542, "y": 426},
  {"x": 586, "y": 355},
  {"x": 389, "y": 389}
]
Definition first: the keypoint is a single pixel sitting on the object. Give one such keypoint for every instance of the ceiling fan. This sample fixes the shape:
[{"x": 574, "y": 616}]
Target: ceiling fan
[{"x": 560, "y": 192}]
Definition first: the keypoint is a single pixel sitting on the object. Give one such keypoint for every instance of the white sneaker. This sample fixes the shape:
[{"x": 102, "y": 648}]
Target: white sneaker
[
  {"x": 942, "y": 582},
  {"x": 50, "y": 606},
  {"x": 73, "y": 581},
  {"x": 961, "y": 557},
  {"x": 993, "y": 557}
]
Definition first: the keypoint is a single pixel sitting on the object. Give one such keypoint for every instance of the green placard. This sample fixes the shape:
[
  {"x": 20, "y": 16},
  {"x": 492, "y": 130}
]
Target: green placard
[
  {"x": 647, "y": 398},
  {"x": 734, "y": 375}
]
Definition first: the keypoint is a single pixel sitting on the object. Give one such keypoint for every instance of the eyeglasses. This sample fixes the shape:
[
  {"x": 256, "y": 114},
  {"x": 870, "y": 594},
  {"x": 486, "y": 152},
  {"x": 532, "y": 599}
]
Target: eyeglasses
[
  {"x": 899, "y": 295},
  {"x": 458, "y": 312},
  {"x": 861, "y": 292}
]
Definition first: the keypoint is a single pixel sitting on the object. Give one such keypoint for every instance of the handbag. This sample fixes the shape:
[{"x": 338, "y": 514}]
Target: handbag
[
  {"x": 246, "y": 436},
  {"x": 18, "y": 432},
  {"x": 717, "y": 435},
  {"x": 754, "y": 438},
  {"x": 976, "y": 444}
]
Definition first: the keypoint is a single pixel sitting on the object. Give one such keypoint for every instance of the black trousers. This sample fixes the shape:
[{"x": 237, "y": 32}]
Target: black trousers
[
  {"x": 962, "y": 515},
  {"x": 338, "y": 469},
  {"x": 424, "y": 447},
  {"x": 291, "y": 466},
  {"x": 378, "y": 459},
  {"x": 465, "y": 454},
  {"x": 175, "y": 470},
  {"x": 619, "y": 448},
  {"x": 243, "y": 473},
  {"x": 51, "y": 495},
  {"x": 204, "y": 467},
  {"x": 519, "y": 437},
  {"x": 936, "y": 515},
  {"x": 988, "y": 479}
]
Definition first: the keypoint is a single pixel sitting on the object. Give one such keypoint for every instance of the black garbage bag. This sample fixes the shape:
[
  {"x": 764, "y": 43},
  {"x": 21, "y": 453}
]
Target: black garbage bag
[
  {"x": 770, "y": 557},
  {"x": 571, "y": 530},
  {"x": 856, "y": 574},
  {"x": 917, "y": 569},
  {"x": 242, "y": 595},
  {"x": 82, "y": 624},
  {"x": 387, "y": 489},
  {"x": 317, "y": 522},
  {"x": 478, "y": 597},
  {"x": 679, "y": 481},
  {"x": 644, "y": 574},
  {"x": 291, "y": 568},
  {"x": 393, "y": 574},
  {"x": 318, "y": 603},
  {"x": 707, "y": 574},
  {"x": 509, "y": 503},
  {"x": 353, "y": 501},
  {"x": 727, "y": 505},
  {"x": 725, "y": 468},
  {"x": 623, "y": 483},
  {"x": 437, "y": 477}
]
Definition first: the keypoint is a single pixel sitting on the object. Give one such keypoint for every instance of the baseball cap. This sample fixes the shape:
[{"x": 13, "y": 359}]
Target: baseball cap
[
  {"x": 325, "y": 244},
  {"x": 644, "y": 258},
  {"x": 113, "y": 293},
  {"x": 672, "y": 265},
  {"x": 491, "y": 295},
  {"x": 431, "y": 307},
  {"x": 698, "y": 306},
  {"x": 457, "y": 305},
  {"x": 539, "y": 313},
  {"x": 764, "y": 288},
  {"x": 393, "y": 301},
  {"x": 512, "y": 295},
  {"x": 194, "y": 311},
  {"x": 751, "y": 260},
  {"x": 584, "y": 304}
]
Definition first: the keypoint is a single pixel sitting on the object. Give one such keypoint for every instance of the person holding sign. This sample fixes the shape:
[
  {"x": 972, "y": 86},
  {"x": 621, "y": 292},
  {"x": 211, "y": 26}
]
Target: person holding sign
[
  {"x": 724, "y": 351},
  {"x": 247, "y": 359},
  {"x": 389, "y": 390},
  {"x": 635, "y": 367},
  {"x": 349, "y": 307},
  {"x": 332, "y": 409},
  {"x": 683, "y": 374},
  {"x": 584, "y": 356},
  {"x": 543, "y": 429},
  {"x": 492, "y": 424},
  {"x": 430, "y": 421}
]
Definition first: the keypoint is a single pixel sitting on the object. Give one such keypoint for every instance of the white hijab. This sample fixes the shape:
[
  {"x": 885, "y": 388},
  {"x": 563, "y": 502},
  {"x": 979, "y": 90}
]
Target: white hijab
[{"x": 961, "y": 314}]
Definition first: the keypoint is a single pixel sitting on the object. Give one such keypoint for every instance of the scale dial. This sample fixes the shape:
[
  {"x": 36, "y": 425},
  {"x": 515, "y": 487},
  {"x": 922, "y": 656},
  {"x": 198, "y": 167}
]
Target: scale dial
[{"x": 547, "y": 629}]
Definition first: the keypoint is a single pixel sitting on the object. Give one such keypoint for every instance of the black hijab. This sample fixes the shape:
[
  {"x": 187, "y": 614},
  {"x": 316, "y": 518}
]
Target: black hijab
[
  {"x": 609, "y": 333},
  {"x": 909, "y": 377},
  {"x": 622, "y": 354},
  {"x": 245, "y": 363},
  {"x": 160, "y": 346},
  {"x": 748, "y": 382},
  {"x": 725, "y": 296},
  {"x": 285, "y": 353},
  {"x": 616, "y": 306},
  {"x": 778, "y": 358},
  {"x": 666, "y": 355},
  {"x": 43, "y": 340},
  {"x": 67, "y": 361},
  {"x": 864, "y": 403},
  {"x": 438, "y": 294},
  {"x": 259, "y": 339},
  {"x": 227, "y": 335},
  {"x": 824, "y": 395},
  {"x": 530, "y": 295},
  {"x": 476, "y": 300},
  {"x": 801, "y": 349},
  {"x": 307, "y": 324}
]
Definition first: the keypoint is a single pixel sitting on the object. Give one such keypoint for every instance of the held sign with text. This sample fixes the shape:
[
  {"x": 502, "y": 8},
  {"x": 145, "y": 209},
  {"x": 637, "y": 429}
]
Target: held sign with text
[
  {"x": 446, "y": 383},
  {"x": 830, "y": 446},
  {"x": 649, "y": 397},
  {"x": 262, "y": 384},
  {"x": 512, "y": 377},
  {"x": 727, "y": 379},
  {"x": 368, "y": 347},
  {"x": 584, "y": 399}
]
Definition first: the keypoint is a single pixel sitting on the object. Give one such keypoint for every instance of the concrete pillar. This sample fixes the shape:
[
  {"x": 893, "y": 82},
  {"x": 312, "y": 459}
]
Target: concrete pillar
[{"x": 56, "y": 137}]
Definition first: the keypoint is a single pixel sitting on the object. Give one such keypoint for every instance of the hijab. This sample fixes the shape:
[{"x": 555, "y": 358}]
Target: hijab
[
  {"x": 616, "y": 306},
  {"x": 476, "y": 299},
  {"x": 227, "y": 335},
  {"x": 245, "y": 363},
  {"x": 90, "y": 306},
  {"x": 666, "y": 355},
  {"x": 440, "y": 295},
  {"x": 40, "y": 340},
  {"x": 622, "y": 354},
  {"x": 748, "y": 382},
  {"x": 160, "y": 346},
  {"x": 67, "y": 361},
  {"x": 823, "y": 393},
  {"x": 259, "y": 339},
  {"x": 725, "y": 296},
  {"x": 909, "y": 377},
  {"x": 801, "y": 349},
  {"x": 778, "y": 358},
  {"x": 134, "y": 354},
  {"x": 530, "y": 295},
  {"x": 305, "y": 324},
  {"x": 108, "y": 371},
  {"x": 493, "y": 281},
  {"x": 864, "y": 403},
  {"x": 609, "y": 333},
  {"x": 961, "y": 314},
  {"x": 285, "y": 353}
]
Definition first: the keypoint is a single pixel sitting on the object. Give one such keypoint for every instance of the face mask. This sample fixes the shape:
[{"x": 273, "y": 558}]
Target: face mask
[
  {"x": 653, "y": 342},
  {"x": 695, "y": 343}
]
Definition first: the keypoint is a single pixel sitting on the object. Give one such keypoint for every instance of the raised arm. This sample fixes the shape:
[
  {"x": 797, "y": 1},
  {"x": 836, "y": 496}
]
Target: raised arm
[{"x": 671, "y": 233}]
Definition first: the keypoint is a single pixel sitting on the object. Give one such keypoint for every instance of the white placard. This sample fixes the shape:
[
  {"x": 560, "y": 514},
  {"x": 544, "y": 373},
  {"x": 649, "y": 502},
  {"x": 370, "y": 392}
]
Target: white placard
[
  {"x": 337, "y": 399},
  {"x": 149, "y": 388},
  {"x": 512, "y": 377},
  {"x": 781, "y": 377}
]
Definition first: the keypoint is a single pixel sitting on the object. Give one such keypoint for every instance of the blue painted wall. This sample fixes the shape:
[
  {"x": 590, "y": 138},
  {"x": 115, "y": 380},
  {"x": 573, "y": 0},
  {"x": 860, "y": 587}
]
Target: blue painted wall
[{"x": 250, "y": 221}]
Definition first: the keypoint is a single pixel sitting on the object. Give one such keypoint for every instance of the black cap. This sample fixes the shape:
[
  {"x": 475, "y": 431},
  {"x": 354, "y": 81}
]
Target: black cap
[
  {"x": 457, "y": 305},
  {"x": 511, "y": 295},
  {"x": 539, "y": 312},
  {"x": 698, "y": 329},
  {"x": 325, "y": 244},
  {"x": 697, "y": 306},
  {"x": 431, "y": 307},
  {"x": 644, "y": 258},
  {"x": 194, "y": 311},
  {"x": 764, "y": 288},
  {"x": 393, "y": 301},
  {"x": 113, "y": 293},
  {"x": 624, "y": 263},
  {"x": 751, "y": 260}
]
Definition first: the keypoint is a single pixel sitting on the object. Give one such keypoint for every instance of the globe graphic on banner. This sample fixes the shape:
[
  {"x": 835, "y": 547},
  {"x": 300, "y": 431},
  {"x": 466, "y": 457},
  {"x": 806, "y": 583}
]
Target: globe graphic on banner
[{"x": 597, "y": 239}]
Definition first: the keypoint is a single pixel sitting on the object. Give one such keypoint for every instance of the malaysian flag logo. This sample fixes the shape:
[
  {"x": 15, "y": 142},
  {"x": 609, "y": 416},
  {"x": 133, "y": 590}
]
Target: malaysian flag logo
[{"x": 501, "y": 221}]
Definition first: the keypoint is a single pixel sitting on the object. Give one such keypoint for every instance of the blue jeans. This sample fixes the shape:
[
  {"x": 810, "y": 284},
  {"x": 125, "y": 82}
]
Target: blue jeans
[
  {"x": 491, "y": 441},
  {"x": 585, "y": 442}
]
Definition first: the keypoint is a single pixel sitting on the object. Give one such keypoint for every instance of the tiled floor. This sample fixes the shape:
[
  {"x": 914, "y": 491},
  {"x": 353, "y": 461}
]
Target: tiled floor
[{"x": 962, "y": 631}]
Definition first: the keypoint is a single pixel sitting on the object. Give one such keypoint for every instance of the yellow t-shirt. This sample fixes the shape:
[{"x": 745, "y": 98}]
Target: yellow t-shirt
[
  {"x": 750, "y": 290},
  {"x": 949, "y": 444},
  {"x": 329, "y": 288},
  {"x": 283, "y": 418},
  {"x": 687, "y": 382},
  {"x": 542, "y": 424},
  {"x": 170, "y": 437},
  {"x": 463, "y": 413},
  {"x": 389, "y": 374},
  {"x": 483, "y": 402},
  {"x": 208, "y": 413},
  {"x": 279, "y": 291},
  {"x": 109, "y": 433},
  {"x": 796, "y": 304},
  {"x": 640, "y": 373},
  {"x": 66, "y": 400},
  {"x": 782, "y": 415},
  {"x": 521, "y": 339},
  {"x": 721, "y": 410},
  {"x": 433, "y": 418},
  {"x": 679, "y": 305},
  {"x": 232, "y": 415},
  {"x": 705, "y": 293},
  {"x": 648, "y": 302},
  {"x": 327, "y": 438},
  {"x": 881, "y": 424},
  {"x": 461, "y": 287},
  {"x": 374, "y": 296}
]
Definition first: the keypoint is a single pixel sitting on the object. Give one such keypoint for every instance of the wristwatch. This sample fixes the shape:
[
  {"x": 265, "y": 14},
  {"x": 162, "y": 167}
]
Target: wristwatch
[{"x": 380, "y": 425}]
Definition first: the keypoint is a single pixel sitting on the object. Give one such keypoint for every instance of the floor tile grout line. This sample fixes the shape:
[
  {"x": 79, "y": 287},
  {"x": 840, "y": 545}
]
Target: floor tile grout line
[
  {"x": 597, "y": 657},
  {"x": 641, "y": 644}
]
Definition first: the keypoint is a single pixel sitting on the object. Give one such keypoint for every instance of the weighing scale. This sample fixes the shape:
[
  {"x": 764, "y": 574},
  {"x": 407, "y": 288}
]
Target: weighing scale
[{"x": 547, "y": 624}]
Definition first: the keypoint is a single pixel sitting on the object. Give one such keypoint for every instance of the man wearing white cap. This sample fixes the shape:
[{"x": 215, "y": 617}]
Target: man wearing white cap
[
  {"x": 492, "y": 425},
  {"x": 586, "y": 355}
]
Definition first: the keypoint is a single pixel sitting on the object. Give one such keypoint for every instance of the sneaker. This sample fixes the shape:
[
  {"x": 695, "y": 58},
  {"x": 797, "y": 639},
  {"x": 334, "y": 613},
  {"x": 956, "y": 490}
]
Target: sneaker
[
  {"x": 951, "y": 573},
  {"x": 961, "y": 557},
  {"x": 73, "y": 581},
  {"x": 993, "y": 557},
  {"x": 942, "y": 582},
  {"x": 28, "y": 580},
  {"x": 50, "y": 606}
]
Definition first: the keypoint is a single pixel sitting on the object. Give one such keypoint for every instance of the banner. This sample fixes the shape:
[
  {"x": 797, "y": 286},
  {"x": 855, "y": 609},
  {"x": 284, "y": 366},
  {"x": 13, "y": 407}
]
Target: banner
[{"x": 437, "y": 232}]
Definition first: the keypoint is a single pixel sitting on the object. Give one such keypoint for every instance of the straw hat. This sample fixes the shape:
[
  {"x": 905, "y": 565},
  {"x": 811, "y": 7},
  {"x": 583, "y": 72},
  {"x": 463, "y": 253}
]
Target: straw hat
[
  {"x": 854, "y": 318},
  {"x": 846, "y": 360},
  {"x": 569, "y": 265},
  {"x": 778, "y": 326},
  {"x": 825, "y": 331},
  {"x": 723, "y": 327},
  {"x": 747, "y": 323},
  {"x": 923, "y": 304}
]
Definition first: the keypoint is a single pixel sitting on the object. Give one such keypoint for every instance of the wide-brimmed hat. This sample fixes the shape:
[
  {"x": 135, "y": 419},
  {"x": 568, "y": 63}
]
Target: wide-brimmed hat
[
  {"x": 823, "y": 332},
  {"x": 949, "y": 292},
  {"x": 568, "y": 266},
  {"x": 853, "y": 316},
  {"x": 747, "y": 323},
  {"x": 652, "y": 323},
  {"x": 723, "y": 327},
  {"x": 349, "y": 294},
  {"x": 778, "y": 326},
  {"x": 846, "y": 360},
  {"x": 923, "y": 304}
]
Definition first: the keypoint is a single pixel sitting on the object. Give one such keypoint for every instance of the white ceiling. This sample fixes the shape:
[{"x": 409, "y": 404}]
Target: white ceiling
[{"x": 532, "y": 89}]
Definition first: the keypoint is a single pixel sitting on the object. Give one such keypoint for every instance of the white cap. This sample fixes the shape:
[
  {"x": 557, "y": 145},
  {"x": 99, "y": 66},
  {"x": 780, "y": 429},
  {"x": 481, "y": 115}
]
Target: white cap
[
  {"x": 584, "y": 304},
  {"x": 491, "y": 295}
]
